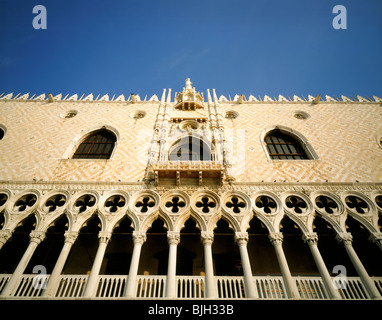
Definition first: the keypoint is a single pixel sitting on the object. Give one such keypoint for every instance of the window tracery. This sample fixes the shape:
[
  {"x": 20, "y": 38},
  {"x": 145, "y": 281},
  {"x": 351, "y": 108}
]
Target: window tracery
[
  {"x": 297, "y": 204},
  {"x": 357, "y": 204},
  {"x": 26, "y": 201},
  {"x": 266, "y": 203},
  {"x": 85, "y": 202},
  {"x": 55, "y": 202},
  {"x": 205, "y": 203},
  {"x": 145, "y": 204},
  {"x": 114, "y": 203},
  {"x": 175, "y": 204},
  {"x": 327, "y": 204},
  {"x": 235, "y": 204}
]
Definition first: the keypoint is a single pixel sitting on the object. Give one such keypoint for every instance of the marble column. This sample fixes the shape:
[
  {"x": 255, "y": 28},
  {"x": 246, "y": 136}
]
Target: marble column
[
  {"x": 311, "y": 239},
  {"x": 276, "y": 239},
  {"x": 70, "y": 238},
  {"x": 92, "y": 281},
  {"x": 241, "y": 239},
  {"x": 173, "y": 239},
  {"x": 36, "y": 237},
  {"x": 211, "y": 287},
  {"x": 346, "y": 239},
  {"x": 139, "y": 239}
]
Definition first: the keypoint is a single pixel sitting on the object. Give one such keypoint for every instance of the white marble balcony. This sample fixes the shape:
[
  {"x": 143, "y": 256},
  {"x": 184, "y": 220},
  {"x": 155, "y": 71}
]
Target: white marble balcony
[{"x": 32, "y": 286}]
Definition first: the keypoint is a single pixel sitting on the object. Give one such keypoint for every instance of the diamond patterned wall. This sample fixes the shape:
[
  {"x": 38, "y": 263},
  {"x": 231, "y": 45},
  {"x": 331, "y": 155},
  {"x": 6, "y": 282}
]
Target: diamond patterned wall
[
  {"x": 38, "y": 136},
  {"x": 344, "y": 136}
]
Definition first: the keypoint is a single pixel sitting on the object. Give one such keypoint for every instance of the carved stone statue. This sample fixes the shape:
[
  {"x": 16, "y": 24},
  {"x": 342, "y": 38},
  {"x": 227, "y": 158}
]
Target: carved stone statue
[{"x": 188, "y": 83}]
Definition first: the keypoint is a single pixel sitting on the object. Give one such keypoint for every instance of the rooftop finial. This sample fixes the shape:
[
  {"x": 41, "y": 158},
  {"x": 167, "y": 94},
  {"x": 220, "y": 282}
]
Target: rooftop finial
[{"x": 188, "y": 83}]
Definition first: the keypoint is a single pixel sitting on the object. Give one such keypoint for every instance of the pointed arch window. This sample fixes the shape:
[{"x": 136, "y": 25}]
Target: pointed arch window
[
  {"x": 98, "y": 145},
  {"x": 190, "y": 149},
  {"x": 284, "y": 146}
]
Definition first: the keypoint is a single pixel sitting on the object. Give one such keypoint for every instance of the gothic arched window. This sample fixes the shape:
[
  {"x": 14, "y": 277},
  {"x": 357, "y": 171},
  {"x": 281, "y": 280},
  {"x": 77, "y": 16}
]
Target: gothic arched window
[
  {"x": 190, "y": 149},
  {"x": 283, "y": 146},
  {"x": 98, "y": 145}
]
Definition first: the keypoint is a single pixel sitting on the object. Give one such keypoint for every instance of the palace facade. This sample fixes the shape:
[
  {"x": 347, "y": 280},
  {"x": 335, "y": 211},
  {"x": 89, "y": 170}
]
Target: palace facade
[{"x": 190, "y": 195}]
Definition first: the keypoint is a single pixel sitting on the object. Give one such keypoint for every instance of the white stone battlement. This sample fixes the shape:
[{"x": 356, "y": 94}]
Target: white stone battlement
[{"x": 135, "y": 98}]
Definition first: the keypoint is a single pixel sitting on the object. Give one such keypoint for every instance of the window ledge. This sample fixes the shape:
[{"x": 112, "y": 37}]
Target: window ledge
[
  {"x": 84, "y": 160},
  {"x": 292, "y": 160}
]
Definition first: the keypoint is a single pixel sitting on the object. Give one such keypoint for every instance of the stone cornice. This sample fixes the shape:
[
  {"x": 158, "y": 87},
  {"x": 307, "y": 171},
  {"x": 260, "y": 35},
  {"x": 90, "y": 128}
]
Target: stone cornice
[
  {"x": 71, "y": 185},
  {"x": 244, "y": 186}
]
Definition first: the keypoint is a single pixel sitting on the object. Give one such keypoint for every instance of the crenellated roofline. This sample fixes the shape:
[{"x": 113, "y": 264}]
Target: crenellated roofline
[
  {"x": 240, "y": 99},
  {"x": 188, "y": 99}
]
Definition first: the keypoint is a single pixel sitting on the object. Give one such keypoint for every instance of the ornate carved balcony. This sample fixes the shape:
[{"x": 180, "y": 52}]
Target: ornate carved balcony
[{"x": 200, "y": 171}]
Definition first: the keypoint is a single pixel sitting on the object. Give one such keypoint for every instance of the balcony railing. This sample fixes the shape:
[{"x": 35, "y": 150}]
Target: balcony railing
[
  {"x": 71, "y": 286},
  {"x": 180, "y": 170},
  {"x": 270, "y": 287},
  {"x": 32, "y": 286}
]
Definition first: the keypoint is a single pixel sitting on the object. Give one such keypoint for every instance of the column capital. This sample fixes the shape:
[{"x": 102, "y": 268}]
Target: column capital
[
  {"x": 241, "y": 238},
  {"x": 5, "y": 235},
  {"x": 37, "y": 236},
  {"x": 276, "y": 237},
  {"x": 139, "y": 237},
  {"x": 173, "y": 237},
  {"x": 310, "y": 238},
  {"x": 345, "y": 238},
  {"x": 104, "y": 236},
  {"x": 207, "y": 237},
  {"x": 375, "y": 237},
  {"x": 71, "y": 236}
]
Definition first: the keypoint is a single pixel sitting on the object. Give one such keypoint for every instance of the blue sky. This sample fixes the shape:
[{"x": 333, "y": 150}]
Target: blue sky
[{"x": 237, "y": 47}]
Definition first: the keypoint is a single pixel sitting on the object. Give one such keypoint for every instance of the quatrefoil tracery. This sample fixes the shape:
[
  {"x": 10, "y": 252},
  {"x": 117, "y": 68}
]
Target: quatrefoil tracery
[
  {"x": 205, "y": 204},
  {"x": 146, "y": 203},
  {"x": 266, "y": 203},
  {"x": 357, "y": 204},
  {"x": 25, "y": 202},
  {"x": 235, "y": 204},
  {"x": 55, "y": 202},
  {"x": 85, "y": 202},
  {"x": 114, "y": 203},
  {"x": 327, "y": 204},
  {"x": 176, "y": 203},
  {"x": 297, "y": 204}
]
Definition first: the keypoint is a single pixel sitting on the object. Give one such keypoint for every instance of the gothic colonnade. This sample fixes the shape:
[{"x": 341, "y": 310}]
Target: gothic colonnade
[{"x": 206, "y": 208}]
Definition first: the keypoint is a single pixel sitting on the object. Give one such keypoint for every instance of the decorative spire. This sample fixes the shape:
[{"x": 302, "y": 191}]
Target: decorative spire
[
  {"x": 188, "y": 84},
  {"x": 209, "y": 99},
  {"x": 189, "y": 99},
  {"x": 163, "y": 96}
]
